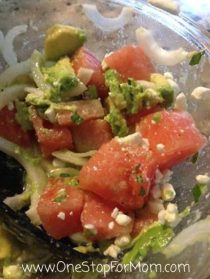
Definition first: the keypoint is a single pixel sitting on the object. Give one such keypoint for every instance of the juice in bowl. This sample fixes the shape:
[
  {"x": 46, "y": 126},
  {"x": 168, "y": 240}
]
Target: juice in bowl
[{"x": 105, "y": 111}]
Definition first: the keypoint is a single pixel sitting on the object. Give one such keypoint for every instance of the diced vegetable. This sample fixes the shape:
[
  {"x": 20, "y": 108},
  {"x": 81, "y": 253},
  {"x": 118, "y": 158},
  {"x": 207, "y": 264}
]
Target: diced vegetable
[
  {"x": 60, "y": 207},
  {"x": 176, "y": 132},
  {"x": 114, "y": 173},
  {"x": 62, "y": 40},
  {"x": 91, "y": 134}
]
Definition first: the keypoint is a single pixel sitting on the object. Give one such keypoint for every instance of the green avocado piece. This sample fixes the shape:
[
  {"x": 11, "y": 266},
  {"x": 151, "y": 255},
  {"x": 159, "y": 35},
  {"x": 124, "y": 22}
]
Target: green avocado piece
[
  {"x": 163, "y": 86},
  {"x": 62, "y": 40}
]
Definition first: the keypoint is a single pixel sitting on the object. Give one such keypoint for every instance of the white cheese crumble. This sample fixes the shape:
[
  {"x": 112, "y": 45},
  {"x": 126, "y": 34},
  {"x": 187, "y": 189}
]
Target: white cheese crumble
[
  {"x": 112, "y": 251},
  {"x": 168, "y": 75},
  {"x": 89, "y": 227},
  {"x": 160, "y": 147},
  {"x": 156, "y": 192},
  {"x": 51, "y": 115},
  {"x": 167, "y": 192},
  {"x": 122, "y": 241},
  {"x": 111, "y": 225},
  {"x": 61, "y": 215},
  {"x": 169, "y": 215},
  {"x": 134, "y": 138},
  {"x": 123, "y": 219},
  {"x": 181, "y": 102},
  {"x": 203, "y": 179},
  {"x": 201, "y": 93}
]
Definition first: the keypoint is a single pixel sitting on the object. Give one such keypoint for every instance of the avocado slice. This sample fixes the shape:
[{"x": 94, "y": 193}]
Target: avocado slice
[
  {"x": 62, "y": 40},
  {"x": 164, "y": 88}
]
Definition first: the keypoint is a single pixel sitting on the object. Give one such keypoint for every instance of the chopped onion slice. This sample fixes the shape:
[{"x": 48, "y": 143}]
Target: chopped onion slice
[
  {"x": 36, "y": 62},
  {"x": 12, "y": 93},
  {"x": 156, "y": 52},
  {"x": 85, "y": 74},
  {"x": 78, "y": 159},
  {"x": 197, "y": 232},
  {"x": 11, "y": 73},
  {"x": 8, "y": 48},
  {"x": 107, "y": 24}
]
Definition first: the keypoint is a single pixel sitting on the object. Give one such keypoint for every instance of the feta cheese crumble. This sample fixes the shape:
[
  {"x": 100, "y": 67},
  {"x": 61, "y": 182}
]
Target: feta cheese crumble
[
  {"x": 160, "y": 147},
  {"x": 61, "y": 215},
  {"x": 167, "y": 192},
  {"x": 203, "y": 179},
  {"x": 122, "y": 241},
  {"x": 180, "y": 102},
  {"x": 169, "y": 215},
  {"x": 123, "y": 219},
  {"x": 112, "y": 251},
  {"x": 111, "y": 225},
  {"x": 201, "y": 93}
]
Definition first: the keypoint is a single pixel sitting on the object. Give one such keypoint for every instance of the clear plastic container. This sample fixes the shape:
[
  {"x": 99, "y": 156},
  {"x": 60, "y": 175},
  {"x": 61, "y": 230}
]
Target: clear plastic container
[{"x": 171, "y": 32}]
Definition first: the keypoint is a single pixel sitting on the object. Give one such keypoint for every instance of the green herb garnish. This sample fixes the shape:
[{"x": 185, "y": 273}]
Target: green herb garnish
[
  {"x": 196, "y": 57},
  {"x": 142, "y": 192},
  {"x": 65, "y": 175},
  {"x": 198, "y": 190},
  {"x": 73, "y": 182},
  {"x": 156, "y": 117},
  {"x": 61, "y": 196},
  {"x": 139, "y": 179},
  {"x": 91, "y": 93},
  {"x": 76, "y": 118}
]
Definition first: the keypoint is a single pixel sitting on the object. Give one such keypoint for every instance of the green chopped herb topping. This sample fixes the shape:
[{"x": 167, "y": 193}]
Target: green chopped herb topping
[
  {"x": 65, "y": 175},
  {"x": 91, "y": 93},
  {"x": 61, "y": 196},
  {"x": 198, "y": 190},
  {"x": 196, "y": 57},
  {"x": 156, "y": 117},
  {"x": 139, "y": 179},
  {"x": 76, "y": 118},
  {"x": 142, "y": 192},
  {"x": 73, "y": 182}
]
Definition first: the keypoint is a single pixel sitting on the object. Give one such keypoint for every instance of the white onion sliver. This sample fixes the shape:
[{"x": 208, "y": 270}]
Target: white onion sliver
[
  {"x": 156, "y": 52},
  {"x": 8, "y": 48},
  {"x": 197, "y": 232},
  {"x": 10, "y": 74},
  {"x": 1, "y": 40},
  {"x": 85, "y": 74},
  {"x": 12, "y": 93},
  {"x": 107, "y": 24},
  {"x": 36, "y": 61},
  {"x": 77, "y": 91}
]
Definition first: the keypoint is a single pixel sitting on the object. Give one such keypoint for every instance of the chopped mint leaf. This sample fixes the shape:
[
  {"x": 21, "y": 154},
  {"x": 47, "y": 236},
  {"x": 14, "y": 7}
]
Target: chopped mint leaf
[
  {"x": 117, "y": 122},
  {"x": 73, "y": 182},
  {"x": 156, "y": 117},
  {"x": 91, "y": 93},
  {"x": 198, "y": 190},
  {"x": 142, "y": 192},
  {"x": 196, "y": 57},
  {"x": 61, "y": 196},
  {"x": 139, "y": 179},
  {"x": 76, "y": 118},
  {"x": 22, "y": 115}
]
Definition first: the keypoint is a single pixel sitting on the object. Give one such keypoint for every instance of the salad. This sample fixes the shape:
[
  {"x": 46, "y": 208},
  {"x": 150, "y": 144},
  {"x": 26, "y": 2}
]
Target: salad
[{"x": 98, "y": 140}]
